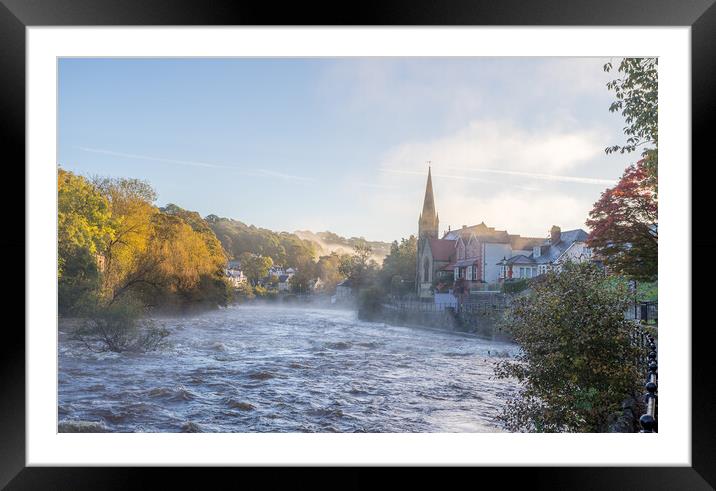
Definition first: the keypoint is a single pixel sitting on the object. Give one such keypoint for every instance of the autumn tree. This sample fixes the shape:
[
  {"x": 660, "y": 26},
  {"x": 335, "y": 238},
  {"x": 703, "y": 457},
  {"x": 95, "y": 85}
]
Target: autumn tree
[
  {"x": 83, "y": 231},
  {"x": 624, "y": 222},
  {"x": 624, "y": 227}
]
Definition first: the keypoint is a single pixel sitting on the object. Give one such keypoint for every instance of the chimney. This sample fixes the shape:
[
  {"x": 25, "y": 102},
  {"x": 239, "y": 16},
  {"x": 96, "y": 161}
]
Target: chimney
[
  {"x": 464, "y": 226},
  {"x": 555, "y": 235}
]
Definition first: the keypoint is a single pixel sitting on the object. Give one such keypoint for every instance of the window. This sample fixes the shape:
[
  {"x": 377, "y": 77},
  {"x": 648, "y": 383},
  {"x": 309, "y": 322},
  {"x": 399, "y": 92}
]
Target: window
[{"x": 426, "y": 270}]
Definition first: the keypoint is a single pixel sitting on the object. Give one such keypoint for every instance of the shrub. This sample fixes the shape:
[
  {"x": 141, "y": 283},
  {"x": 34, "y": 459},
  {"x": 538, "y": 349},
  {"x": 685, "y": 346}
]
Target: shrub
[
  {"x": 578, "y": 363},
  {"x": 370, "y": 303},
  {"x": 118, "y": 327},
  {"x": 515, "y": 286},
  {"x": 244, "y": 292}
]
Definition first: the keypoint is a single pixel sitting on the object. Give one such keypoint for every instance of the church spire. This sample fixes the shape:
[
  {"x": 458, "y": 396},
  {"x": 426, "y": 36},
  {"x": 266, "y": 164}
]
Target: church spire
[
  {"x": 429, "y": 201},
  {"x": 428, "y": 221}
]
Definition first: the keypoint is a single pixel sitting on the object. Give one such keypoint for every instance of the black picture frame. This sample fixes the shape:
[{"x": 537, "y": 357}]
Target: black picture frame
[{"x": 16, "y": 15}]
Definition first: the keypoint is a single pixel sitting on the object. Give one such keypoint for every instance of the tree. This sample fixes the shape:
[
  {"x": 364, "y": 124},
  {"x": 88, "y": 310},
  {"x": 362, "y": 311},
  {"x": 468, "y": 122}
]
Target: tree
[
  {"x": 637, "y": 99},
  {"x": 302, "y": 280},
  {"x": 255, "y": 266},
  {"x": 577, "y": 362},
  {"x": 328, "y": 270},
  {"x": 131, "y": 208},
  {"x": 83, "y": 230},
  {"x": 359, "y": 267},
  {"x": 82, "y": 218},
  {"x": 623, "y": 225},
  {"x": 399, "y": 266}
]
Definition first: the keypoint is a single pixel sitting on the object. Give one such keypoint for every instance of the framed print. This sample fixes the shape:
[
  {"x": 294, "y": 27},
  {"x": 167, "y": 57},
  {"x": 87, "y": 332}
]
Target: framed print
[{"x": 420, "y": 236}]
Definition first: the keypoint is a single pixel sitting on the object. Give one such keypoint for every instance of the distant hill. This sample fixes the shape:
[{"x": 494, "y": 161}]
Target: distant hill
[
  {"x": 285, "y": 248},
  {"x": 328, "y": 242}
]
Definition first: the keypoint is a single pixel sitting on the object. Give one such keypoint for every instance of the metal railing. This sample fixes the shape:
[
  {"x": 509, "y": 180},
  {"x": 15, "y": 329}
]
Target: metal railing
[{"x": 648, "y": 419}]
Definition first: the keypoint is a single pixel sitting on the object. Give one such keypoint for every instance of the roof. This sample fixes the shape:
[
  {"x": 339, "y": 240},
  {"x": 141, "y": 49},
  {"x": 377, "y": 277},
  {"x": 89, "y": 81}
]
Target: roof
[
  {"x": 347, "y": 283},
  {"x": 234, "y": 264},
  {"x": 520, "y": 259},
  {"x": 549, "y": 253},
  {"x": 485, "y": 233},
  {"x": 283, "y": 278},
  {"x": 525, "y": 243},
  {"x": 442, "y": 249},
  {"x": 466, "y": 262}
]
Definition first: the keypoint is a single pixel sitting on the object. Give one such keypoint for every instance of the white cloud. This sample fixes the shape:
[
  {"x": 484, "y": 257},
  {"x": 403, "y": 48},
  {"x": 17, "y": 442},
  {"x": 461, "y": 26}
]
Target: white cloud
[
  {"x": 502, "y": 145},
  {"x": 511, "y": 178},
  {"x": 527, "y": 214}
]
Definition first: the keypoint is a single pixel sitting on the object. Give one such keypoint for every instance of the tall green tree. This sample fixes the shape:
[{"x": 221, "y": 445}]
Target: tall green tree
[
  {"x": 636, "y": 88},
  {"x": 398, "y": 272}
]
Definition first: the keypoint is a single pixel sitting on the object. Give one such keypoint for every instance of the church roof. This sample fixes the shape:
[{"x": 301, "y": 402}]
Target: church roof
[{"x": 442, "y": 249}]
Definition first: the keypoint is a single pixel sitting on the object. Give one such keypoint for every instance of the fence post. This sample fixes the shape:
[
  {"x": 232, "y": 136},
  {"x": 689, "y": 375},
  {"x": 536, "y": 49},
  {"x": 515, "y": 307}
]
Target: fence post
[{"x": 648, "y": 419}]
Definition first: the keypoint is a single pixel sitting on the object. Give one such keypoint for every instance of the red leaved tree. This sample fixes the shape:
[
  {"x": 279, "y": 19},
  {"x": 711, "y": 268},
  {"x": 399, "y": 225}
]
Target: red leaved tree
[{"x": 624, "y": 225}]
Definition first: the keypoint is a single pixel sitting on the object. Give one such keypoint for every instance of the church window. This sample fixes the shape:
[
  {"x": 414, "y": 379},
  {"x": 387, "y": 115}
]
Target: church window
[{"x": 426, "y": 270}]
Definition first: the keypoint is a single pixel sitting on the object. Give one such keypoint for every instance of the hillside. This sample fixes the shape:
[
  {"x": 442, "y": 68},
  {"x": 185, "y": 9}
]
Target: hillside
[{"x": 327, "y": 242}]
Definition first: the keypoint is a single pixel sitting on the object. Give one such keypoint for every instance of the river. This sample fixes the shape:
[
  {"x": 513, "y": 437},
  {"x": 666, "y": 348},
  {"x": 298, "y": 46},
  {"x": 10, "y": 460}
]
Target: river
[{"x": 266, "y": 369}]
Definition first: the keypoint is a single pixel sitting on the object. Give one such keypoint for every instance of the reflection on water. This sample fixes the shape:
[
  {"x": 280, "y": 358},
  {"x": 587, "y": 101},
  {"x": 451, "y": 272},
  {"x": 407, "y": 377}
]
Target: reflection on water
[{"x": 256, "y": 369}]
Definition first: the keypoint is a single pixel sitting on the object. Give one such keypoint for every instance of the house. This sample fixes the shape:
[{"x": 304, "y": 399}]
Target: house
[
  {"x": 234, "y": 273},
  {"x": 275, "y": 271},
  {"x": 479, "y": 248},
  {"x": 551, "y": 254},
  {"x": 283, "y": 283},
  {"x": 344, "y": 290},
  {"x": 317, "y": 284}
]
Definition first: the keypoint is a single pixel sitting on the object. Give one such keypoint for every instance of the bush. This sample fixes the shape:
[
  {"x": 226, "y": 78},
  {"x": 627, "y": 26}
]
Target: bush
[
  {"x": 515, "y": 286},
  {"x": 578, "y": 363},
  {"x": 244, "y": 292},
  {"x": 370, "y": 303},
  {"x": 118, "y": 327}
]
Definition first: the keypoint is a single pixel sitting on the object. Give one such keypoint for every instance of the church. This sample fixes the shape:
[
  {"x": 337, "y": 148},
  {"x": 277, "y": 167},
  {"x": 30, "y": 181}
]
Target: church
[{"x": 478, "y": 258}]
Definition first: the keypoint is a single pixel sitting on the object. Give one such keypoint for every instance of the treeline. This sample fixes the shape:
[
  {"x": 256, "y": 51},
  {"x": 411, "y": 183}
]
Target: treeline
[
  {"x": 115, "y": 245},
  {"x": 285, "y": 249}
]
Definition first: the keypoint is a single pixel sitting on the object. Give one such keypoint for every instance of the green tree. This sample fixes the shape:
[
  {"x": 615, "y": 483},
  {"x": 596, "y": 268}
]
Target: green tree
[
  {"x": 328, "y": 270},
  {"x": 359, "y": 267},
  {"x": 255, "y": 266},
  {"x": 637, "y": 99},
  {"x": 399, "y": 266},
  {"x": 577, "y": 362}
]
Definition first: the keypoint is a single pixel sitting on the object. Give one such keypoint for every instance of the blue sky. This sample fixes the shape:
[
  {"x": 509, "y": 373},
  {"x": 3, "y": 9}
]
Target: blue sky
[{"x": 341, "y": 144}]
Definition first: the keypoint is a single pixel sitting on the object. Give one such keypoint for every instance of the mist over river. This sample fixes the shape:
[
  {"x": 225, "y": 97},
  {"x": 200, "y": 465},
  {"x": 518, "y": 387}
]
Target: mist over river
[{"x": 271, "y": 369}]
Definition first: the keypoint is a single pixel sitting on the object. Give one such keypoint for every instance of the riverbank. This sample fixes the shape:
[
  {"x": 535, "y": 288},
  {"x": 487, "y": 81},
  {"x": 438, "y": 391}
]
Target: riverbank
[{"x": 485, "y": 325}]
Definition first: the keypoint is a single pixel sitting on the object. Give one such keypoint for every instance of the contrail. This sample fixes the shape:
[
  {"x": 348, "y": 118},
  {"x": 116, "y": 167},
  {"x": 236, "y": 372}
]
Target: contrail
[
  {"x": 544, "y": 177},
  {"x": 194, "y": 163}
]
